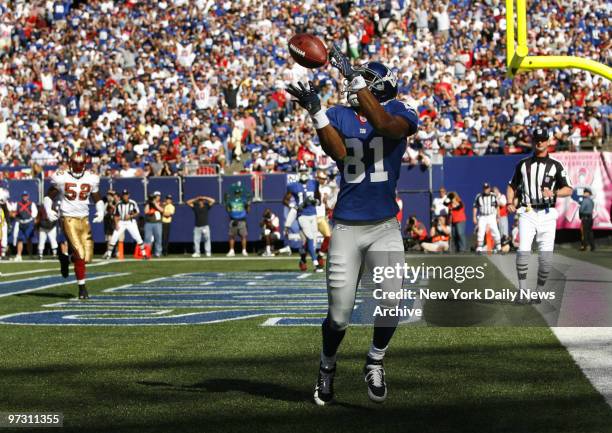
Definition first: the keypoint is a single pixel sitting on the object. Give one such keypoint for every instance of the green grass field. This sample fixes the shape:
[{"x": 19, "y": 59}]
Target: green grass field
[{"x": 240, "y": 376}]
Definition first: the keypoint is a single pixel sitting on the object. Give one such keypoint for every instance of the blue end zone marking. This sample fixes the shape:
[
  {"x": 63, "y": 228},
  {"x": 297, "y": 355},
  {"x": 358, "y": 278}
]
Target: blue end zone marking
[
  {"x": 8, "y": 288},
  {"x": 282, "y": 296},
  {"x": 134, "y": 317}
]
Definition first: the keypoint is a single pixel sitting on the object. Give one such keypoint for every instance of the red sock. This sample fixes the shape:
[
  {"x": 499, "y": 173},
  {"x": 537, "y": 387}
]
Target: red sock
[
  {"x": 79, "y": 270},
  {"x": 325, "y": 244}
]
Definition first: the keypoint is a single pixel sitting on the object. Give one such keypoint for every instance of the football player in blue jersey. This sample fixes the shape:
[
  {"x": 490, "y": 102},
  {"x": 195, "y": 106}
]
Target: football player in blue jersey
[
  {"x": 305, "y": 193},
  {"x": 367, "y": 140}
]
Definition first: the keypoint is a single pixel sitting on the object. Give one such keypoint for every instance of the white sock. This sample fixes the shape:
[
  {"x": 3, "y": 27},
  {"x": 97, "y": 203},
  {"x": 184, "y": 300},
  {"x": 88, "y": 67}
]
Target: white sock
[
  {"x": 327, "y": 362},
  {"x": 268, "y": 249},
  {"x": 376, "y": 354}
]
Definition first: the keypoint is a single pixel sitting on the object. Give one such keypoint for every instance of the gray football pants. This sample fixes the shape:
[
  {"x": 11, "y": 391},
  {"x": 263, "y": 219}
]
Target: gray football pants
[{"x": 352, "y": 249}]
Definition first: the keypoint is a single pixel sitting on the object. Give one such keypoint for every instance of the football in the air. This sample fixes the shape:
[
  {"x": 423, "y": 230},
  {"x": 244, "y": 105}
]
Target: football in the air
[{"x": 308, "y": 50}]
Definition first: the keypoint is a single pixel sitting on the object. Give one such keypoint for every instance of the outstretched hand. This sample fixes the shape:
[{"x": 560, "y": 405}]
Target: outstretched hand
[
  {"x": 340, "y": 61},
  {"x": 306, "y": 96}
]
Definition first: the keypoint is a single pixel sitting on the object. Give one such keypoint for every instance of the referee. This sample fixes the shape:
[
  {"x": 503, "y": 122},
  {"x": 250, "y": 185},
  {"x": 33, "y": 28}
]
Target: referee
[
  {"x": 537, "y": 182},
  {"x": 126, "y": 212},
  {"x": 485, "y": 215}
]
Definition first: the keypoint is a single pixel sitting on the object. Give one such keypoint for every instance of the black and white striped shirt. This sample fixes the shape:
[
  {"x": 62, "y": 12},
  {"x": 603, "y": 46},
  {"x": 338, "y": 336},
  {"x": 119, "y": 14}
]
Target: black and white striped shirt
[
  {"x": 125, "y": 210},
  {"x": 534, "y": 173},
  {"x": 486, "y": 204}
]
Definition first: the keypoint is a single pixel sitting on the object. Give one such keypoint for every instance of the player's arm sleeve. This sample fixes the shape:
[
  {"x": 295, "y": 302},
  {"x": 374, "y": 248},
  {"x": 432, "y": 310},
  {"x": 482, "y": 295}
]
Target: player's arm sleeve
[
  {"x": 515, "y": 182},
  {"x": 34, "y": 210},
  {"x": 333, "y": 114},
  {"x": 56, "y": 183},
  {"x": 561, "y": 178},
  {"x": 95, "y": 185},
  {"x": 406, "y": 112}
]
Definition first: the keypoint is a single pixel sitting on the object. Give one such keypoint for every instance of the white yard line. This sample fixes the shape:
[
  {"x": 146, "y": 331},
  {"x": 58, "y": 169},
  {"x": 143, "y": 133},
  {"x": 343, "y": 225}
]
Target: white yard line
[
  {"x": 60, "y": 283},
  {"x": 585, "y": 305},
  {"x": 38, "y": 271}
]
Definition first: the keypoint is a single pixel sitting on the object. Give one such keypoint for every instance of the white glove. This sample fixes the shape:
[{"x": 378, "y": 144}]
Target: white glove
[
  {"x": 99, "y": 212},
  {"x": 356, "y": 84},
  {"x": 51, "y": 214}
]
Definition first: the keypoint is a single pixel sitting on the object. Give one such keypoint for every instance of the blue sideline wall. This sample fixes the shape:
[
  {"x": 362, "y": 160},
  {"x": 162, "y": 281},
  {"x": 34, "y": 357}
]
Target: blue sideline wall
[
  {"x": 462, "y": 174},
  {"x": 466, "y": 175}
]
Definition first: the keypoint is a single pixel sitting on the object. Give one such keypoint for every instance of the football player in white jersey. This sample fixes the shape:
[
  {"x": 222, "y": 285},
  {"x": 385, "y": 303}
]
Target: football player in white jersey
[
  {"x": 73, "y": 188},
  {"x": 4, "y": 232},
  {"x": 325, "y": 204}
]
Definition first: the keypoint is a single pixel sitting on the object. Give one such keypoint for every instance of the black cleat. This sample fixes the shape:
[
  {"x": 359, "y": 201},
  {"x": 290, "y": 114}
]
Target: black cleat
[
  {"x": 64, "y": 260},
  {"x": 83, "y": 294},
  {"x": 324, "y": 389},
  {"x": 374, "y": 373}
]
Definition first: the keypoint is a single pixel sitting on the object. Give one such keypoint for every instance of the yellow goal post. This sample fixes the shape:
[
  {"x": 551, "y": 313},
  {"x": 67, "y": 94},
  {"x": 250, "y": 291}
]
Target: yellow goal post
[{"x": 517, "y": 58}]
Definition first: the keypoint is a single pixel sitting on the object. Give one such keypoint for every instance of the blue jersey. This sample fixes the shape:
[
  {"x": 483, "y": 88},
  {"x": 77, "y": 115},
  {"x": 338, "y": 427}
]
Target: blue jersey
[
  {"x": 370, "y": 170},
  {"x": 304, "y": 196}
]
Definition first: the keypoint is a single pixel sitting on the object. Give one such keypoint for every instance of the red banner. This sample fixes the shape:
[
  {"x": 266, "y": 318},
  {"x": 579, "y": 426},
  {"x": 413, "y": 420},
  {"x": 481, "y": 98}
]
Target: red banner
[{"x": 592, "y": 170}]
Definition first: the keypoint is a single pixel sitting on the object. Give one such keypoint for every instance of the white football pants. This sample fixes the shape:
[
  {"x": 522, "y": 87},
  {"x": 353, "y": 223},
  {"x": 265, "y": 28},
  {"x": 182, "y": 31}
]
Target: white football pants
[
  {"x": 43, "y": 236},
  {"x": 491, "y": 222},
  {"x": 541, "y": 224},
  {"x": 131, "y": 227}
]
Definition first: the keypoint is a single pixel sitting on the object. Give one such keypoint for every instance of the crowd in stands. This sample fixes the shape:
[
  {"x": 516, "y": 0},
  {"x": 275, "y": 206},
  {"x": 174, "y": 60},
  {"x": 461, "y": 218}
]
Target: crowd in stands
[{"x": 175, "y": 87}]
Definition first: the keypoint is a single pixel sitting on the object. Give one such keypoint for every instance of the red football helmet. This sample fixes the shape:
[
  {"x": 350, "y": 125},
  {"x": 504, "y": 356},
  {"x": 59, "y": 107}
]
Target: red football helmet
[{"x": 77, "y": 163}]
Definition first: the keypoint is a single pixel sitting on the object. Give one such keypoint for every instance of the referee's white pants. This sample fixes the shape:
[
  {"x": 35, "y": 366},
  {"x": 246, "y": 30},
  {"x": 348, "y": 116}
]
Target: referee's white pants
[
  {"x": 131, "y": 227},
  {"x": 490, "y": 221},
  {"x": 540, "y": 224},
  {"x": 43, "y": 235}
]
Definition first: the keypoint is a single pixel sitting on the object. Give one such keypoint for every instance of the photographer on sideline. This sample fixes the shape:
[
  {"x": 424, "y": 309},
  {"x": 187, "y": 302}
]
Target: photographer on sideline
[
  {"x": 153, "y": 223},
  {"x": 440, "y": 234},
  {"x": 415, "y": 233}
]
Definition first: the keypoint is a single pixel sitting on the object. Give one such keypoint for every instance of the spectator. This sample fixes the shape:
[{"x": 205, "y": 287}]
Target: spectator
[
  {"x": 237, "y": 207},
  {"x": 586, "y": 220},
  {"x": 440, "y": 234},
  {"x": 199, "y": 76},
  {"x": 167, "y": 216},
  {"x": 153, "y": 223},
  {"x": 415, "y": 233},
  {"x": 458, "y": 219},
  {"x": 25, "y": 213},
  {"x": 201, "y": 205},
  {"x": 502, "y": 203},
  {"x": 127, "y": 170},
  {"x": 438, "y": 204}
]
